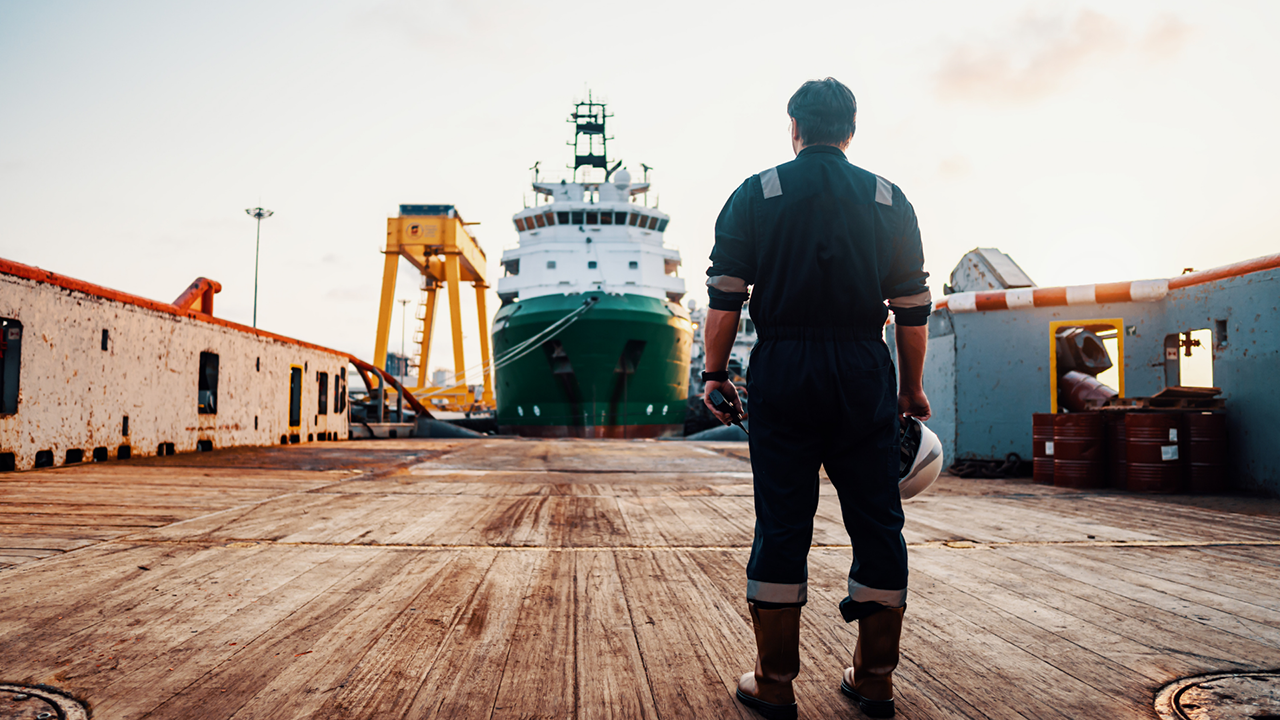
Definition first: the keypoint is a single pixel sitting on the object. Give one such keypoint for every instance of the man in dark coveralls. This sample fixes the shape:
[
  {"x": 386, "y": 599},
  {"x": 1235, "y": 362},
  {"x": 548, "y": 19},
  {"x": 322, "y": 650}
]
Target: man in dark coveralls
[{"x": 830, "y": 249}]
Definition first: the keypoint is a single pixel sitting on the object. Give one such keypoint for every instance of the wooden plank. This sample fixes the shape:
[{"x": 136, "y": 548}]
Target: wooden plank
[
  {"x": 164, "y": 644},
  {"x": 592, "y": 522},
  {"x": 266, "y": 520},
  {"x": 290, "y": 644},
  {"x": 183, "y": 659},
  {"x": 540, "y": 675},
  {"x": 1213, "y": 609},
  {"x": 386, "y": 679},
  {"x": 685, "y": 678},
  {"x": 356, "y": 633},
  {"x": 463, "y": 681},
  {"x": 1132, "y": 614},
  {"x": 612, "y": 683},
  {"x": 1194, "y": 567},
  {"x": 108, "y": 582},
  {"x": 1105, "y": 664},
  {"x": 969, "y": 659}
]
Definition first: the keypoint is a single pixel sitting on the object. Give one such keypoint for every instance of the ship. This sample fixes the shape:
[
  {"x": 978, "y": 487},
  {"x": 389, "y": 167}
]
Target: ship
[{"x": 591, "y": 340}]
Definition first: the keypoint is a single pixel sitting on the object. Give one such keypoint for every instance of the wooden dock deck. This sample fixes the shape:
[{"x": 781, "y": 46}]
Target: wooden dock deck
[{"x": 591, "y": 579}]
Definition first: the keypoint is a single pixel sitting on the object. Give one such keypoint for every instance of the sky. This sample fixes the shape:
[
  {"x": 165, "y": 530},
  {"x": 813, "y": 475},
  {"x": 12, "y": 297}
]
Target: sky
[{"x": 1090, "y": 141}]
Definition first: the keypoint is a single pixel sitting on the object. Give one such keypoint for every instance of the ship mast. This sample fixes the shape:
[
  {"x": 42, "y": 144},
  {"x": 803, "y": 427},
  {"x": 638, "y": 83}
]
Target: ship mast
[{"x": 590, "y": 142}]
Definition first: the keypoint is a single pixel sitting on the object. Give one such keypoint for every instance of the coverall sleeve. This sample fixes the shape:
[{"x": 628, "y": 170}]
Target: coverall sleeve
[
  {"x": 904, "y": 285},
  {"x": 733, "y": 258}
]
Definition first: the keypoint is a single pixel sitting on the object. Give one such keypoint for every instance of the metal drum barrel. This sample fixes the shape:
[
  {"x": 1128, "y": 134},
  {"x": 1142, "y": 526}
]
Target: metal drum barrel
[
  {"x": 1042, "y": 447},
  {"x": 1117, "y": 455},
  {"x": 1079, "y": 450},
  {"x": 1155, "y": 463},
  {"x": 1206, "y": 445}
]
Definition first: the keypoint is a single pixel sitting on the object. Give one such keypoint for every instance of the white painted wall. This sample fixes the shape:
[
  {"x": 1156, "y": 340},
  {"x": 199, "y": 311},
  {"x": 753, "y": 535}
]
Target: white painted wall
[{"x": 73, "y": 394}]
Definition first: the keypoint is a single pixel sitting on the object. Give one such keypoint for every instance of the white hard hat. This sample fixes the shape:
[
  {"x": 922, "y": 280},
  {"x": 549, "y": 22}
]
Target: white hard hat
[{"x": 921, "y": 458}]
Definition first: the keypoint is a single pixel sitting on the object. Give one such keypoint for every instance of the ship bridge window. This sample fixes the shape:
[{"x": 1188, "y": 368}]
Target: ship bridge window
[
  {"x": 10, "y": 356},
  {"x": 591, "y": 264},
  {"x": 551, "y": 264},
  {"x": 540, "y": 220},
  {"x": 620, "y": 218},
  {"x": 577, "y": 217},
  {"x": 606, "y": 218},
  {"x": 633, "y": 265},
  {"x": 551, "y": 218},
  {"x": 593, "y": 218},
  {"x": 207, "y": 396},
  {"x": 634, "y": 218},
  {"x": 662, "y": 225},
  {"x": 562, "y": 218},
  {"x": 653, "y": 222},
  {"x": 512, "y": 267},
  {"x": 520, "y": 224}
]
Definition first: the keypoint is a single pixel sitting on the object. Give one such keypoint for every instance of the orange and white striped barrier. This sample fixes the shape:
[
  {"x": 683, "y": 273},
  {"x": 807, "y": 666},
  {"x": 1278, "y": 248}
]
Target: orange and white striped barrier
[{"x": 1133, "y": 291}]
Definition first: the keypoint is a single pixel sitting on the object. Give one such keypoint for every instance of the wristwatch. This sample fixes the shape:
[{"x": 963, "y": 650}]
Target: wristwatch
[{"x": 716, "y": 375}]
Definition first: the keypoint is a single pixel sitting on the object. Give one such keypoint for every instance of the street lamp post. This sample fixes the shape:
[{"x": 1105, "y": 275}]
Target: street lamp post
[{"x": 257, "y": 214}]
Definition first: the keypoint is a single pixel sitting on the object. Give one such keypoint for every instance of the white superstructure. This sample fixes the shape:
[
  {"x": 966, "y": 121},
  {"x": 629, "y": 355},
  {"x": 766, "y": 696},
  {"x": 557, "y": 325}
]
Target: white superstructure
[{"x": 591, "y": 237}]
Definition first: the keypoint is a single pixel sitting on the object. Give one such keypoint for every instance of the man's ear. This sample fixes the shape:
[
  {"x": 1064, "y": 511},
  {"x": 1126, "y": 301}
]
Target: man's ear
[{"x": 795, "y": 130}]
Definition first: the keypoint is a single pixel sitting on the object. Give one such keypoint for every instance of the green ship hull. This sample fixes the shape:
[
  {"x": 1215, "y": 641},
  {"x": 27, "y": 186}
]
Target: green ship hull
[{"x": 618, "y": 370}]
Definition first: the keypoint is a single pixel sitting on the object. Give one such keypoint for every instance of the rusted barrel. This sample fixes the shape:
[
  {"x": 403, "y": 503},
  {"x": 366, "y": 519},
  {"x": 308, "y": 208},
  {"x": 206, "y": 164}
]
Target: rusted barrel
[
  {"x": 1079, "y": 450},
  {"x": 1042, "y": 448},
  {"x": 1205, "y": 440},
  {"x": 1155, "y": 463},
  {"x": 1117, "y": 455}
]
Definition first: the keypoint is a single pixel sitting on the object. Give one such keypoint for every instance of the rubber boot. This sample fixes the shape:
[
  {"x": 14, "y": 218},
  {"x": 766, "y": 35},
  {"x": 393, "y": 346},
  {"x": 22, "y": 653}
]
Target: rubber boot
[
  {"x": 768, "y": 690},
  {"x": 870, "y": 681}
]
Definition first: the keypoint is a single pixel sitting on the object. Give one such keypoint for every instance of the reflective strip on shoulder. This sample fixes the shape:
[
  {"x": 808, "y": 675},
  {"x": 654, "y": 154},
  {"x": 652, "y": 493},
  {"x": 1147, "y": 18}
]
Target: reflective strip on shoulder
[
  {"x": 884, "y": 191},
  {"x": 727, "y": 283},
  {"x": 778, "y": 592},
  {"x": 770, "y": 184},
  {"x": 889, "y": 598},
  {"x": 910, "y": 301}
]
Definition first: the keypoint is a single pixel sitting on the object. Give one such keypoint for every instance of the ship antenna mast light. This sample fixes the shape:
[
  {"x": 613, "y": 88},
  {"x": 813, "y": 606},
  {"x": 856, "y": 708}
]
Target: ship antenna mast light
[{"x": 258, "y": 214}]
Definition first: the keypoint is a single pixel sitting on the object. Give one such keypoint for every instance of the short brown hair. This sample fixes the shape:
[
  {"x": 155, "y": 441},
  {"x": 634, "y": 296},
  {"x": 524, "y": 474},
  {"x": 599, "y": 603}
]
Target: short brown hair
[{"x": 825, "y": 112}]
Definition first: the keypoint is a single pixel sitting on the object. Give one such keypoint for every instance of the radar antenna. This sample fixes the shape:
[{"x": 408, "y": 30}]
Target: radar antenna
[{"x": 590, "y": 143}]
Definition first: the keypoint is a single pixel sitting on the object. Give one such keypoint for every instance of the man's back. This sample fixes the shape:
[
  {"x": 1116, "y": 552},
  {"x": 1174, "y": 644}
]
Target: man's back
[{"x": 824, "y": 242}]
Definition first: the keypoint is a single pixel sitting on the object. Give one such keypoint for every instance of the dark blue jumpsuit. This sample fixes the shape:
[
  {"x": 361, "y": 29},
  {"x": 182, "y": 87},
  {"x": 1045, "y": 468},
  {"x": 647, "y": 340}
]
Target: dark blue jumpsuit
[{"x": 827, "y": 249}]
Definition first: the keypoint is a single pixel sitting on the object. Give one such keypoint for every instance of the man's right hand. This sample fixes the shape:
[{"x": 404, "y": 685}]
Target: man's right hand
[
  {"x": 913, "y": 403},
  {"x": 729, "y": 392}
]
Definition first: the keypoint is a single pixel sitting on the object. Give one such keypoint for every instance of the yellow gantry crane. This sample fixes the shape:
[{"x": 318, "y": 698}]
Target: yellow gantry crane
[{"x": 434, "y": 239}]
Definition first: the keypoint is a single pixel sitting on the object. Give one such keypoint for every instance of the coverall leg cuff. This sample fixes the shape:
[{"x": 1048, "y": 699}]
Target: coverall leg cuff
[{"x": 764, "y": 605}]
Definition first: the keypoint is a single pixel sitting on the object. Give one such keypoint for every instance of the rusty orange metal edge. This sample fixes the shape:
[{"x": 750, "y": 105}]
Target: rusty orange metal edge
[
  {"x": 194, "y": 291},
  {"x": 1245, "y": 267},
  {"x": 17, "y": 269},
  {"x": 1119, "y": 291}
]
